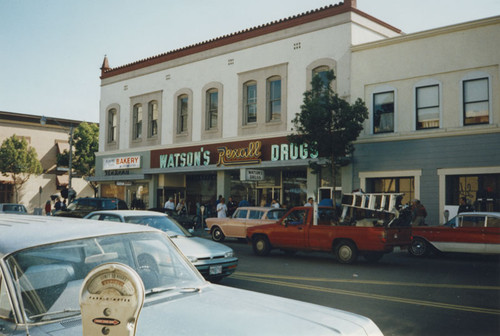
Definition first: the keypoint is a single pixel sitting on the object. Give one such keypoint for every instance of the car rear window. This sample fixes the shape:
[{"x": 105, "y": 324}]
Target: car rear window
[{"x": 109, "y": 204}]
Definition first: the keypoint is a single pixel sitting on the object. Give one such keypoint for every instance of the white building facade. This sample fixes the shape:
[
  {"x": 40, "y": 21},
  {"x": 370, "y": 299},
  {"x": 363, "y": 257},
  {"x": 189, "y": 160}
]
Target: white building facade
[
  {"x": 198, "y": 120},
  {"x": 212, "y": 119}
]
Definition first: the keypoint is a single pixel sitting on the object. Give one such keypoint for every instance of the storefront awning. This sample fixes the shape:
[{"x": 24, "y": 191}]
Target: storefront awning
[{"x": 62, "y": 180}]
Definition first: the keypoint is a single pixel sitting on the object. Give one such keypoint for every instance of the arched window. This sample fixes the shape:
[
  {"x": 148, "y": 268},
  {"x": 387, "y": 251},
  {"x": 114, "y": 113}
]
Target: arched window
[
  {"x": 322, "y": 72},
  {"x": 137, "y": 122},
  {"x": 182, "y": 114},
  {"x": 152, "y": 118},
  {"x": 212, "y": 108},
  {"x": 250, "y": 102},
  {"x": 112, "y": 125},
  {"x": 273, "y": 98}
]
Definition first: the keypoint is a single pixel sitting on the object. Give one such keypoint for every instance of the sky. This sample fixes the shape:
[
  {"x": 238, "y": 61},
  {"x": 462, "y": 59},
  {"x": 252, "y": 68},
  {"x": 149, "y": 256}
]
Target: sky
[{"x": 51, "y": 51}]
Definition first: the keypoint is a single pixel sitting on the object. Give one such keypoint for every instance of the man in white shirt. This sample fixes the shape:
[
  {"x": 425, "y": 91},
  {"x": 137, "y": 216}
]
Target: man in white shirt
[
  {"x": 170, "y": 204},
  {"x": 310, "y": 201},
  {"x": 222, "y": 208}
]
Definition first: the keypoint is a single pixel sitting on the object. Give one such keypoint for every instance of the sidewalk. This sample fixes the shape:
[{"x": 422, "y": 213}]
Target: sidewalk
[{"x": 201, "y": 233}]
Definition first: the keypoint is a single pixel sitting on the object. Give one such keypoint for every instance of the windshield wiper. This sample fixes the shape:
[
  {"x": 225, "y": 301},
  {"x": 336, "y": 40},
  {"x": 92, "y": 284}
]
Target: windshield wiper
[
  {"x": 157, "y": 290},
  {"x": 190, "y": 290},
  {"x": 55, "y": 313}
]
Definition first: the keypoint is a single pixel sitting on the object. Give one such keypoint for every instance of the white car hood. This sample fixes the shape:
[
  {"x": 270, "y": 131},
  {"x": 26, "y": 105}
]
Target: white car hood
[
  {"x": 199, "y": 247},
  {"x": 220, "y": 310}
]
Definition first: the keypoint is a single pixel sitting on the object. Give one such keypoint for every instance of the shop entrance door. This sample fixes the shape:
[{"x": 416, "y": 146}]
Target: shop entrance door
[{"x": 267, "y": 195}]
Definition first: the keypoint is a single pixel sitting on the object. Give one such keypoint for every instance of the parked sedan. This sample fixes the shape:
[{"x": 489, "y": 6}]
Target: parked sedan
[
  {"x": 13, "y": 208},
  {"x": 214, "y": 260},
  {"x": 243, "y": 218},
  {"x": 469, "y": 232},
  {"x": 42, "y": 272}
]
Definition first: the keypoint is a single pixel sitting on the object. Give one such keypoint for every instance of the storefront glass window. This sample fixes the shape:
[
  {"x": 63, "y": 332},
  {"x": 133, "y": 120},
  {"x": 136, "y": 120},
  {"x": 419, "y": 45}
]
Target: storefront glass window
[
  {"x": 405, "y": 185},
  {"x": 294, "y": 188},
  {"x": 481, "y": 191},
  {"x": 201, "y": 189}
]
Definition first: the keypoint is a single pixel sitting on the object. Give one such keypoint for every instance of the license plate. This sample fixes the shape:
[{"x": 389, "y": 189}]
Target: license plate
[{"x": 215, "y": 270}]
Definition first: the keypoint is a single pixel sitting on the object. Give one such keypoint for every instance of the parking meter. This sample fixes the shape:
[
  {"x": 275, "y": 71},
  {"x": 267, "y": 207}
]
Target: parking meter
[{"x": 111, "y": 298}]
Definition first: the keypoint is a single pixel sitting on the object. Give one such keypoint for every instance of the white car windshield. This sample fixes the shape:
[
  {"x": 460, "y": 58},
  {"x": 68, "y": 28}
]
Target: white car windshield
[
  {"x": 163, "y": 223},
  {"x": 49, "y": 277}
]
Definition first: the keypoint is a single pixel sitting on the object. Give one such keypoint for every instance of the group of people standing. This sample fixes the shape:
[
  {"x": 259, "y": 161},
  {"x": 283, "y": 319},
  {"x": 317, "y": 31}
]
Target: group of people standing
[
  {"x": 58, "y": 205},
  {"x": 180, "y": 208}
]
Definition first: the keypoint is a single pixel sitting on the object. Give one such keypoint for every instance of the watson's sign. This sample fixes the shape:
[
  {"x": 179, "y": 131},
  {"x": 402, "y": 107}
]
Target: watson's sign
[
  {"x": 126, "y": 162},
  {"x": 231, "y": 154}
]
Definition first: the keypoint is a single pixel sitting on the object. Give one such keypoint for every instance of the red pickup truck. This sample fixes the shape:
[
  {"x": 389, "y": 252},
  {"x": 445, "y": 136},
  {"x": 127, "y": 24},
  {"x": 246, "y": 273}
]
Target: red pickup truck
[{"x": 297, "y": 230}]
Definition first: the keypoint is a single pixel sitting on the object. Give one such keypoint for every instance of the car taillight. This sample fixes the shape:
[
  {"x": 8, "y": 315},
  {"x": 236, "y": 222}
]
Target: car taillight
[{"x": 384, "y": 236}]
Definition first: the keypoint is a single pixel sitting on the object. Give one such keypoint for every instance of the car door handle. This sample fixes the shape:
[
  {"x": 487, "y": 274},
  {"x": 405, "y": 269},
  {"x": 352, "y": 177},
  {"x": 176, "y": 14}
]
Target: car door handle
[{"x": 299, "y": 227}]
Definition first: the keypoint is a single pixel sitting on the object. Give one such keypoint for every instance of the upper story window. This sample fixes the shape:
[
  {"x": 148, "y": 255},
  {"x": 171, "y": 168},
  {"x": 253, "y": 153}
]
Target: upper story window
[
  {"x": 137, "y": 122},
  {"x": 322, "y": 72},
  {"x": 274, "y": 99},
  {"x": 182, "y": 114},
  {"x": 427, "y": 106},
  {"x": 152, "y": 119},
  {"x": 383, "y": 112},
  {"x": 476, "y": 101},
  {"x": 112, "y": 125},
  {"x": 250, "y": 100},
  {"x": 212, "y": 108}
]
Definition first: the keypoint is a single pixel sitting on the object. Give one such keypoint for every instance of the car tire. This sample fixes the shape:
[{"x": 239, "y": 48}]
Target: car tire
[
  {"x": 217, "y": 234},
  {"x": 346, "y": 252},
  {"x": 261, "y": 246},
  {"x": 419, "y": 247}
]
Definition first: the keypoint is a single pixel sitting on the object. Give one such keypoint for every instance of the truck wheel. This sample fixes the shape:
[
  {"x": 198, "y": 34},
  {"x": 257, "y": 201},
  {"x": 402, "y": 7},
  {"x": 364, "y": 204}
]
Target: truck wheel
[
  {"x": 373, "y": 256},
  {"x": 419, "y": 247},
  {"x": 346, "y": 252},
  {"x": 261, "y": 246},
  {"x": 217, "y": 234}
]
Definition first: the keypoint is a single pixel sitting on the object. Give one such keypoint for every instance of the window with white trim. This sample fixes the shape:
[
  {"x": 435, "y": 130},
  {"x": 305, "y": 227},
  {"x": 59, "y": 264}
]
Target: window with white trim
[
  {"x": 383, "y": 112},
  {"x": 250, "y": 100},
  {"x": 152, "y": 118},
  {"x": 212, "y": 109},
  {"x": 112, "y": 125},
  {"x": 274, "y": 99},
  {"x": 427, "y": 106},
  {"x": 182, "y": 114},
  {"x": 137, "y": 122},
  {"x": 476, "y": 101}
]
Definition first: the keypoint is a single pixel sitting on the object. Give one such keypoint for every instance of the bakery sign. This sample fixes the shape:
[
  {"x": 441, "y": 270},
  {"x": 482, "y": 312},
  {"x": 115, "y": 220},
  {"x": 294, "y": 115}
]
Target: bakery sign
[{"x": 124, "y": 162}]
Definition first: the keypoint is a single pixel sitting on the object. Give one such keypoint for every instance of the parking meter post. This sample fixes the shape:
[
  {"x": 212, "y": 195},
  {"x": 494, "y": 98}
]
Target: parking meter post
[
  {"x": 111, "y": 298},
  {"x": 202, "y": 210}
]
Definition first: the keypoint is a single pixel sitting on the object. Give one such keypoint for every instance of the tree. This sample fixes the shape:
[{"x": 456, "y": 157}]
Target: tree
[
  {"x": 328, "y": 124},
  {"x": 19, "y": 160},
  {"x": 86, "y": 143}
]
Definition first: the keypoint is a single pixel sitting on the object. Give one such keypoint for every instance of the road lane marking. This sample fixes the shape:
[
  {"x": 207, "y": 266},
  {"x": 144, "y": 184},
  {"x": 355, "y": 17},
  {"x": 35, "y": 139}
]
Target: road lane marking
[
  {"x": 368, "y": 295},
  {"x": 366, "y": 282}
]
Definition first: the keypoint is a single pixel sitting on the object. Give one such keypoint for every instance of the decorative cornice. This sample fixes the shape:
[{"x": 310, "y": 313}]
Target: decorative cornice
[{"x": 272, "y": 27}]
